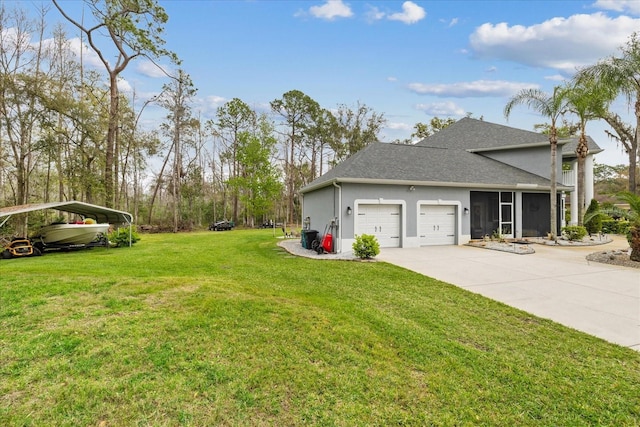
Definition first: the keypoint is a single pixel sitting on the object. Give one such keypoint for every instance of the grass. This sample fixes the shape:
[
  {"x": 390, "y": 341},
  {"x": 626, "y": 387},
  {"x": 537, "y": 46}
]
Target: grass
[{"x": 225, "y": 328}]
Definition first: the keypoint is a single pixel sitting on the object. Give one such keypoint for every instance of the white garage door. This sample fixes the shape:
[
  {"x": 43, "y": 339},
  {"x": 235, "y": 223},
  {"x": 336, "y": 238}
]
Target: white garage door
[
  {"x": 437, "y": 225},
  {"x": 382, "y": 221}
]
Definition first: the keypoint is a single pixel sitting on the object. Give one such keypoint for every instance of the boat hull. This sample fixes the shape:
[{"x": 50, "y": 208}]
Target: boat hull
[{"x": 71, "y": 234}]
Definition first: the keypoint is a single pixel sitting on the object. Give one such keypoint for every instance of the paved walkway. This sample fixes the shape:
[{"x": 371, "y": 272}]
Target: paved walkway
[{"x": 557, "y": 283}]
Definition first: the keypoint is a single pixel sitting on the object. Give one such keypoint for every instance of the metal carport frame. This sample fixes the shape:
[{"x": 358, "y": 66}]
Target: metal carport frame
[{"x": 87, "y": 210}]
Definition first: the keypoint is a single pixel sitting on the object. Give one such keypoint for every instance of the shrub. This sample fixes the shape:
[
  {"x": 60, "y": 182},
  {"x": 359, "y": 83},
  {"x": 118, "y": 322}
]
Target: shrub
[
  {"x": 120, "y": 237},
  {"x": 613, "y": 226},
  {"x": 594, "y": 223},
  {"x": 574, "y": 232},
  {"x": 366, "y": 246}
]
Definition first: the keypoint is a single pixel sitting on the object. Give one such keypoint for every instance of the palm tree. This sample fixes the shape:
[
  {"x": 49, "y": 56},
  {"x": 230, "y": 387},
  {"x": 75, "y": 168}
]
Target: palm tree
[
  {"x": 622, "y": 75},
  {"x": 588, "y": 101},
  {"x": 551, "y": 106}
]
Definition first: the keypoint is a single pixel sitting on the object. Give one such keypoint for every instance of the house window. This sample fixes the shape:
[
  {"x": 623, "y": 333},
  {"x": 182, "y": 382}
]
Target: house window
[{"x": 506, "y": 214}]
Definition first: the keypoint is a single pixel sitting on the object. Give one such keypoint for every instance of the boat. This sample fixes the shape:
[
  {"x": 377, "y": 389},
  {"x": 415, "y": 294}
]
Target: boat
[{"x": 71, "y": 234}]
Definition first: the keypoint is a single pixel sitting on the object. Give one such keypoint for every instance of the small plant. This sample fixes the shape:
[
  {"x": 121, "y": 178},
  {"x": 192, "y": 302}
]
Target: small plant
[
  {"x": 366, "y": 246},
  {"x": 574, "y": 232},
  {"x": 120, "y": 237}
]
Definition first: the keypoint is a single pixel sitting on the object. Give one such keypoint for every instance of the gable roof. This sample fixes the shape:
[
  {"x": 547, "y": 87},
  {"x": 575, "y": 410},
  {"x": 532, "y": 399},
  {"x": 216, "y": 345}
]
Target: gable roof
[
  {"x": 473, "y": 134},
  {"x": 395, "y": 163},
  {"x": 569, "y": 149},
  {"x": 450, "y": 157},
  {"x": 478, "y": 136},
  {"x": 99, "y": 213}
]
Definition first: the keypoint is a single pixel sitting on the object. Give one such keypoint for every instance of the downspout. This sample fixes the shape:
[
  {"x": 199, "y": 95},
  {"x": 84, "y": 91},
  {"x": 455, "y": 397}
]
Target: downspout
[{"x": 339, "y": 239}]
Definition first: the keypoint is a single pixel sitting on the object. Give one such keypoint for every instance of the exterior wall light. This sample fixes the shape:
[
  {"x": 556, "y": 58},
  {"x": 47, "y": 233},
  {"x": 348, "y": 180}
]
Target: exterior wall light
[
  {"x": 466, "y": 211},
  {"x": 411, "y": 188},
  {"x": 349, "y": 211}
]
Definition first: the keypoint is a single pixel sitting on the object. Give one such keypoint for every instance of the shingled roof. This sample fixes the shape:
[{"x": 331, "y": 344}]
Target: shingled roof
[
  {"x": 451, "y": 157},
  {"x": 473, "y": 134}
]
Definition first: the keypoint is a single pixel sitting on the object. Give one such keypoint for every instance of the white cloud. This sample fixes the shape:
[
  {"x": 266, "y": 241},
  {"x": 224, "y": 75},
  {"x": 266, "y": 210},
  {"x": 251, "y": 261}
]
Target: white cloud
[
  {"x": 81, "y": 50},
  {"x": 556, "y": 78},
  {"x": 441, "y": 109},
  {"x": 630, "y": 6},
  {"x": 453, "y": 22},
  {"x": 374, "y": 14},
  {"x": 149, "y": 69},
  {"x": 478, "y": 88},
  {"x": 214, "y": 101},
  {"x": 392, "y": 79},
  {"x": 331, "y": 10},
  {"x": 563, "y": 44},
  {"x": 124, "y": 86},
  {"x": 398, "y": 126},
  {"x": 411, "y": 13}
]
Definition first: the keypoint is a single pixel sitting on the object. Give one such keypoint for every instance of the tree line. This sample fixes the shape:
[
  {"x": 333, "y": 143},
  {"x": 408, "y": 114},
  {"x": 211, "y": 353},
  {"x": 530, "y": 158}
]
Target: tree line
[
  {"x": 69, "y": 133},
  {"x": 65, "y": 134}
]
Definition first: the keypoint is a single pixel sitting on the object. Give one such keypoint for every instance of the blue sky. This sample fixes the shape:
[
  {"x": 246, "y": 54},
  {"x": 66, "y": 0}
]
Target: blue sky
[{"x": 410, "y": 60}]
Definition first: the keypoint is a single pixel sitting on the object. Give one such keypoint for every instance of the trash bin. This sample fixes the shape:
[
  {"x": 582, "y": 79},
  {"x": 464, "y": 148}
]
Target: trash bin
[{"x": 308, "y": 236}]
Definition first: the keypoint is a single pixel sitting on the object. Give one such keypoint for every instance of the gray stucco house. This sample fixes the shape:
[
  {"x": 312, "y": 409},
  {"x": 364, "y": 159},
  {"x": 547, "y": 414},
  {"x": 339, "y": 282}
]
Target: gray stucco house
[{"x": 466, "y": 181}]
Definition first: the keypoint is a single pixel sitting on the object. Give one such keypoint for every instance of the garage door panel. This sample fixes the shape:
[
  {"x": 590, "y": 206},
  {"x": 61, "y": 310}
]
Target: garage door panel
[
  {"x": 437, "y": 225},
  {"x": 381, "y": 221}
]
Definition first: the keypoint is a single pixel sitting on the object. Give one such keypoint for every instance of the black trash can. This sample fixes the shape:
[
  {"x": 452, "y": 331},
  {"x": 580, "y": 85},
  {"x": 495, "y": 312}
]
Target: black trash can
[{"x": 308, "y": 236}]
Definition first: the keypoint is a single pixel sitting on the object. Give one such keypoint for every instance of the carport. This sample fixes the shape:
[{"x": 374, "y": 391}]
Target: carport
[{"x": 86, "y": 210}]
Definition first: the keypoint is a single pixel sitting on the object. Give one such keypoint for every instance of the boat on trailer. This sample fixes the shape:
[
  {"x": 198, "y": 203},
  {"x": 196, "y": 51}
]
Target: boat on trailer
[{"x": 71, "y": 234}]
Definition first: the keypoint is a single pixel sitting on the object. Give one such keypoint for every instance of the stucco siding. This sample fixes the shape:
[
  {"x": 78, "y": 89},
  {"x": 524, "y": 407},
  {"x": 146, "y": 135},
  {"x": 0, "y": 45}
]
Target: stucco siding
[
  {"x": 410, "y": 198},
  {"x": 321, "y": 207},
  {"x": 536, "y": 160}
]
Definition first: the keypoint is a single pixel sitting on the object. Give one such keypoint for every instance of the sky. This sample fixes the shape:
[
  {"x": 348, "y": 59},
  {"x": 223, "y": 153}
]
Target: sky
[{"x": 409, "y": 60}]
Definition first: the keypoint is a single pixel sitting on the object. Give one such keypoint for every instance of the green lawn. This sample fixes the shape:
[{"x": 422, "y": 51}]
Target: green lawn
[{"x": 225, "y": 328}]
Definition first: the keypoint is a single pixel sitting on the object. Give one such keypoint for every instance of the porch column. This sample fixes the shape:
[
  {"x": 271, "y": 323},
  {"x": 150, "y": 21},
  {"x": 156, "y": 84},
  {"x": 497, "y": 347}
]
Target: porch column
[
  {"x": 574, "y": 193},
  {"x": 588, "y": 180}
]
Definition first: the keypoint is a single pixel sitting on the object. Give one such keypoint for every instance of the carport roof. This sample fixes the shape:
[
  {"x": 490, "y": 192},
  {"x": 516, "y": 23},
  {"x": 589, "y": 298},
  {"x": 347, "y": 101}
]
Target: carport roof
[{"x": 99, "y": 213}]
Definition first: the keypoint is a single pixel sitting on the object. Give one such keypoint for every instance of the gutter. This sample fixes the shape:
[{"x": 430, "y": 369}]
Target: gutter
[
  {"x": 469, "y": 185},
  {"x": 339, "y": 239}
]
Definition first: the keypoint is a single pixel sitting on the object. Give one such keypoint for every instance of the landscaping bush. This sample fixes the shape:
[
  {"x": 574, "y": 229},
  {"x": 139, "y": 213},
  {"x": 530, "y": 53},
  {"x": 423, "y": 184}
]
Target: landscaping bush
[
  {"x": 574, "y": 232},
  {"x": 614, "y": 226},
  {"x": 594, "y": 224},
  {"x": 120, "y": 237},
  {"x": 366, "y": 246}
]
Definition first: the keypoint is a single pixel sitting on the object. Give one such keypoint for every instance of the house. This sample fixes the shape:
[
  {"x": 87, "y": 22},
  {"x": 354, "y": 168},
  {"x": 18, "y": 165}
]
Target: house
[{"x": 467, "y": 181}]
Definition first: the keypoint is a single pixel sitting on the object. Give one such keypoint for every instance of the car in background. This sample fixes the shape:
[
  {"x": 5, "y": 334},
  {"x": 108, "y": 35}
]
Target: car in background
[{"x": 221, "y": 225}]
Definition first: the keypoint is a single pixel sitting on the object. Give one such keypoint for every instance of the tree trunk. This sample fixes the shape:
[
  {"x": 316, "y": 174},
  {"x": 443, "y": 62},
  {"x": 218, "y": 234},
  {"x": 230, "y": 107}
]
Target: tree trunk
[
  {"x": 581, "y": 151},
  {"x": 634, "y": 242},
  {"x": 111, "y": 137},
  {"x": 633, "y": 152},
  {"x": 553, "y": 139}
]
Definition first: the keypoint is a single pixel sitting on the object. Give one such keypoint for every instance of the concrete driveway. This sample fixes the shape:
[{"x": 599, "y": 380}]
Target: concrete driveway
[{"x": 556, "y": 283}]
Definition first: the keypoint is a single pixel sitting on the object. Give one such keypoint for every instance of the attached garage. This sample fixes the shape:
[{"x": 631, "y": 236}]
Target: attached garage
[
  {"x": 382, "y": 221},
  {"x": 437, "y": 225}
]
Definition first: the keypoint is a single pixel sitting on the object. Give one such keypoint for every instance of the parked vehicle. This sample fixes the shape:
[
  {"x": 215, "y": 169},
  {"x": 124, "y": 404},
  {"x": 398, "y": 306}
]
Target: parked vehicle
[{"x": 221, "y": 225}]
